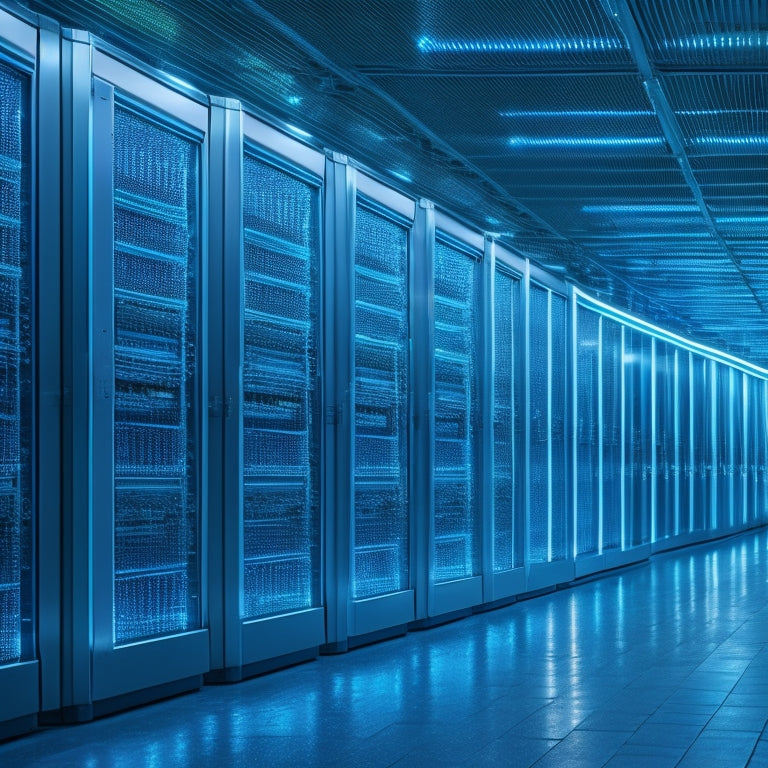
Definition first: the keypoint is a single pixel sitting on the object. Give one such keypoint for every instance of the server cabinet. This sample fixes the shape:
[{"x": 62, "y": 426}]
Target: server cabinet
[
  {"x": 637, "y": 438},
  {"x": 588, "y": 433},
  {"x": 755, "y": 418},
  {"x": 20, "y": 83},
  {"x": 265, "y": 544},
  {"x": 507, "y": 530},
  {"x": 612, "y": 404},
  {"x": 684, "y": 455},
  {"x": 664, "y": 522},
  {"x": 549, "y": 559},
  {"x": 381, "y": 595},
  {"x": 138, "y": 614},
  {"x": 454, "y": 558},
  {"x": 722, "y": 507},
  {"x": 702, "y": 395},
  {"x": 739, "y": 448}
]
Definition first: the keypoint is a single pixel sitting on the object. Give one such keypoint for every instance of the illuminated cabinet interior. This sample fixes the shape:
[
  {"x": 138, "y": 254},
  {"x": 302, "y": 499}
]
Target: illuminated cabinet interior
[
  {"x": 296, "y": 406},
  {"x": 381, "y": 397},
  {"x": 508, "y": 433},
  {"x": 279, "y": 381},
  {"x": 156, "y": 532},
  {"x": 456, "y": 311},
  {"x": 16, "y": 521}
]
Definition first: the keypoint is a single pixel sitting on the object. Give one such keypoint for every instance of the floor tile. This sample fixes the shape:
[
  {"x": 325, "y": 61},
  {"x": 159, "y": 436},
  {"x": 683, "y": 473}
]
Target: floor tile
[{"x": 656, "y": 665}]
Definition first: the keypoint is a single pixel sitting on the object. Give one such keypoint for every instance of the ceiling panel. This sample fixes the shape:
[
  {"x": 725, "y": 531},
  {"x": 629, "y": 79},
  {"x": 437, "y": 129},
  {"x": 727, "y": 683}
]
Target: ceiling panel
[{"x": 621, "y": 143}]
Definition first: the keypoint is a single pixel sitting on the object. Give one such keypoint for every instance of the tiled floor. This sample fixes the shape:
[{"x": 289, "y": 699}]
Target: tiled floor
[{"x": 660, "y": 665}]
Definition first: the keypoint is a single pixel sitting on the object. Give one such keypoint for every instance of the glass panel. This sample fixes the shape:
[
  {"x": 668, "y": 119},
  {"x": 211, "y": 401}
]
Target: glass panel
[
  {"x": 16, "y": 522},
  {"x": 702, "y": 441},
  {"x": 538, "y": 476},
  {"x": 665, "y": 440},
  {"x": 380, "y": 524},
  {"x": 587, "y": 426},
  {"x": 559, "y": 505},
  {"x": 723, "y": 510},
  {"x": 281, "y": 505},
  {"x": 455, "y": 412},
  {"x": 156, "y": 584},
  {"x": 738, "y": 470},
  {"x": 611, "y": 487},
  {"x": 507, "y": 426},
  {"x": 683, "y": 449},
  {"x": 762, "y": 452},
  {"x": 637, "y": 380}
]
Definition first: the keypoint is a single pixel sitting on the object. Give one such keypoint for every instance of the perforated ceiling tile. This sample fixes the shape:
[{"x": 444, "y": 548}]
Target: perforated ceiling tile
[{"x": 600, "y": 138}]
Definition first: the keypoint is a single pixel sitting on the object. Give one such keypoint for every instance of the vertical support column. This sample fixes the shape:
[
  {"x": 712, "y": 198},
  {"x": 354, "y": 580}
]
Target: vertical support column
[
  {"x": 713, "y": 434},
  {"x": 76, "y": 632},
  {"x": 486, "y": 498},
  {"x": 549, "y": 426},
  {"x": 600, "y": 437},
  {"x": 49, "y": 361},
  {"x": 337, "y": 368},
  {"x": 676, "y": 417},
  {"x": 654, "y": 435},
  {"x": 691, "y": 443},
  {"x": 744, "y": 464},
  {"x": 574, "y": 423},
  {"x": 623, "y": 482},
  {"x": 526, "y": 414},
  {"x": 225, "y": 300},
  {"x": 423, "y": 402}
]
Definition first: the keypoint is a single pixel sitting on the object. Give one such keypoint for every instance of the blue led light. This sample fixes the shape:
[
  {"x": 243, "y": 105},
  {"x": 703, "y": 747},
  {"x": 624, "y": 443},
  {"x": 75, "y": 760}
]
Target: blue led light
[
  {"x": 718, "y": 112},
  {"x": 402, "y": 175},
  {"x": 742, "y": 219},
  {"x": 585, "y": 141},
  {"x": 731, "y": 141},
  {"x": 641, "y": 208},
  {"x": 577, "y": 113},
  {"x": 707, "y": 42},
  {"x": 431, "y": 45},
  {"x": 298, "y": 131}
]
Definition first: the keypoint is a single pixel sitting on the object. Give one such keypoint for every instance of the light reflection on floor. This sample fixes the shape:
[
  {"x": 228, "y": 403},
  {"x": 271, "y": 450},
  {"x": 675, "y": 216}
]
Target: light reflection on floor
[{"x": 663, "y": 664}]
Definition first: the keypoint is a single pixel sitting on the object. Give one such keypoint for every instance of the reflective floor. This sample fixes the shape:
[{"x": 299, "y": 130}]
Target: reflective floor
[{"x": 663, "y": 664}]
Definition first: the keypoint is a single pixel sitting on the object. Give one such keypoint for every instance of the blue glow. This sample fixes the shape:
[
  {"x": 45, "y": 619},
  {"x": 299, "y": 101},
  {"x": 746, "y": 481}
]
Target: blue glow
[
  {"x": 576, "y": 113},
  {"x": 718, "y": 112},
  {"x": 402, "y": 175},
  {"x": 585, "y": 141},
  {"x": 641, "y": 208},
  {"x": 298, "y": 131},
  {"x": 707, "y": 42},
  {"x": 431, "y": 45},
  {"x": 732, "y": 141},
  {"x": 742, "y": 219},
  {"x": 178, "y": 81},
  {"x": 294, "y": 101}
]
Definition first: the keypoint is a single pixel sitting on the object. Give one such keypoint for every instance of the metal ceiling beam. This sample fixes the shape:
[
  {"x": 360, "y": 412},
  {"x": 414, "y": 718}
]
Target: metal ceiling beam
[{"x": 621, "y": 11}]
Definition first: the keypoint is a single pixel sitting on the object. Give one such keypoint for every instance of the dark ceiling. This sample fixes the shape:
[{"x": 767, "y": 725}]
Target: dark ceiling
[{"x": 622, "y": 143}]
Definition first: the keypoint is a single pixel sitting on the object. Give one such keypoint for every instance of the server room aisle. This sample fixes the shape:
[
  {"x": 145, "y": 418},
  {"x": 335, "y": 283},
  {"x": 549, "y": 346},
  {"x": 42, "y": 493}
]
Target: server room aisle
[{"x": 662, "y": 664}]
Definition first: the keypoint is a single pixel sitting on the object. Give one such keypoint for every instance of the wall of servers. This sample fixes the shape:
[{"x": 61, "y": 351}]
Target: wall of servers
[{"x": 256, "y": 404}]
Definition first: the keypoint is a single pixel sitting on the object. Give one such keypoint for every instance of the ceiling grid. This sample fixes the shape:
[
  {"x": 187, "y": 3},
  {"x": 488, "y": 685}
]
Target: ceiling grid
[{"x": 622, "y": 142}]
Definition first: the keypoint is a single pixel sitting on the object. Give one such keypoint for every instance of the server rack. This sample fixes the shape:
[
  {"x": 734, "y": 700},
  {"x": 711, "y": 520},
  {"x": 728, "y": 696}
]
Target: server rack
[
  {"x": 549, "y": 495},
  {"x": 588, "y": 434},
  {"x": 136, "y": 605},
  {"x": 612, "y": 410},
  {"x": 22, "y": 83},
  {"x": 505, "y": 506},
  {"x": 665, "y": 515},
  {"x": 684, "y": 446},
  {"x": 265, "y": 554},
  {"x": 454, "y": 557},
  {"x": 381, "y": 584}
]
